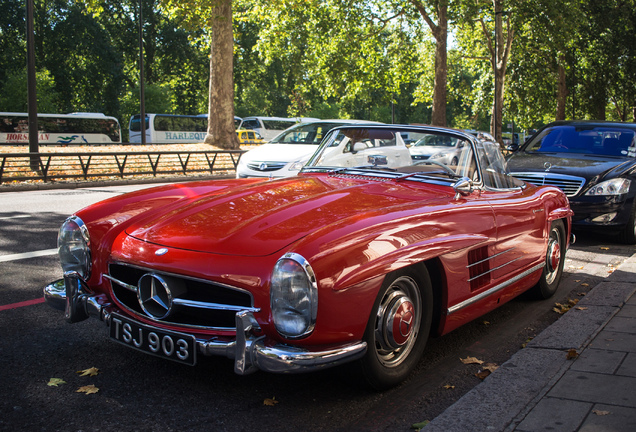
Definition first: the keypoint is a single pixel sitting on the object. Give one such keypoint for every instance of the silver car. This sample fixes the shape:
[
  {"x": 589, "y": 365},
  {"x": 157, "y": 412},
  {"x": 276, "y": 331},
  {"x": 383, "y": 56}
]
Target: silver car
[{"x": 440, "y": 148}]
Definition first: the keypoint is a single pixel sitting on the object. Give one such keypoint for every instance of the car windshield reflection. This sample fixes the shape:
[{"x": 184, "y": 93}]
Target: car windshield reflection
[
  {"x": 604, "y": 141},
  {"x": 382, "y": 151}
]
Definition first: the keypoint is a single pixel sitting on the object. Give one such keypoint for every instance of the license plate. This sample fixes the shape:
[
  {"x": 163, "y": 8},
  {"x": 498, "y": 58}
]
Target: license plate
[{"x": 163, "y": 343}]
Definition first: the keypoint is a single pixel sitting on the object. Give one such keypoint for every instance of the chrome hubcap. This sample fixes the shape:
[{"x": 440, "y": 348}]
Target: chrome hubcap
[
  {"x": 397, "y": 323},
  {"x": 553, "y": 258}
]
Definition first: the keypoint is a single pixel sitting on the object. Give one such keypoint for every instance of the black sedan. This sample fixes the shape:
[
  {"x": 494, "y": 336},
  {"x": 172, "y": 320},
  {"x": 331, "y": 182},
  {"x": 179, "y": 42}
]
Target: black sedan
[{"x": 594, "y": 163}]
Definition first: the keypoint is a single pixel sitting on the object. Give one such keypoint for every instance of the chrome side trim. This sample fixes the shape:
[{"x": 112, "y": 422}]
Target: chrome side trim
[
  {"x": 493, "y": 269},
  {"x": 490, "y": 257},
  {"x": 493, "y": 290}
]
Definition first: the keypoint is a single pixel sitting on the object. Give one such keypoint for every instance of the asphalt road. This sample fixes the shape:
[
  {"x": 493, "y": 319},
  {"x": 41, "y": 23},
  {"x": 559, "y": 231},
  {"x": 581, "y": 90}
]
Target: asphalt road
[{"x": 142, "y": 393}]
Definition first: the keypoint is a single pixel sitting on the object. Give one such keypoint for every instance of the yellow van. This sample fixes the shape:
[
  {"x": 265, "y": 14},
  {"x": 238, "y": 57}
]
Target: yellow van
[{"x": 248, "y": 136}]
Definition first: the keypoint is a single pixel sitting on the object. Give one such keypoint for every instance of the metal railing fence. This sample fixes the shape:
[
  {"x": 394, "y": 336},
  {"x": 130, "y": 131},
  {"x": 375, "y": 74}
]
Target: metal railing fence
[{"x": 87, "y": 165}]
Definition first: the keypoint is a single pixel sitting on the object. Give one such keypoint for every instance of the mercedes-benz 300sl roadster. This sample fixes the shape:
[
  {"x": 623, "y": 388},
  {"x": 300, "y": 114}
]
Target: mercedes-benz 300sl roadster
[{"x": 361, "y": 258}]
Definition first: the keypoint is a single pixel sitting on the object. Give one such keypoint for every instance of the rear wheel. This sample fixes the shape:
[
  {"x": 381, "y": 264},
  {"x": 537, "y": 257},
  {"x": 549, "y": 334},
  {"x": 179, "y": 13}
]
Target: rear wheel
[
  {"x": 554, "y": 260},
  {"x": 628, "y": 234},
  {"x": 398, "y": 328}
]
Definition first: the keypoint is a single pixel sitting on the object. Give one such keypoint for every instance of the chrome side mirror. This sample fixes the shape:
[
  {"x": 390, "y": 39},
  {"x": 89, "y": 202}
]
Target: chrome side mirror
[{"x": 463, "y": 187}]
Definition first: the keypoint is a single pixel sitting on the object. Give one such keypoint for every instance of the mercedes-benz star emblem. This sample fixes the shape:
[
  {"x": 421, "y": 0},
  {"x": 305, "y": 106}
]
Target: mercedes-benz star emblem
[
  {"x": 547, "y": 166},
  {"x": 154, "y": 296}
]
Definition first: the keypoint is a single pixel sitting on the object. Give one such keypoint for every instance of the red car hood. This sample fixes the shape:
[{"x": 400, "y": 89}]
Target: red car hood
[{"x": 262, "y": 218}]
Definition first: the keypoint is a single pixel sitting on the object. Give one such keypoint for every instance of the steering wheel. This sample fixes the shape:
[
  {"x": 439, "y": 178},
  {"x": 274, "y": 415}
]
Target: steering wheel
[{"x": 434, "y": 162}]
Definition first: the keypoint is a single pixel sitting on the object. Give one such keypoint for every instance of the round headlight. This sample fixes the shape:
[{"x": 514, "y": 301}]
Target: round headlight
[
  {"x": 293, "y": 296},
  {"x": 73, "y": 247}
]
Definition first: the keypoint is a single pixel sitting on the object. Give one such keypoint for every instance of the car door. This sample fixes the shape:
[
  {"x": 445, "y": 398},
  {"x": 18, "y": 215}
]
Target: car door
[{"x": 519, "y": 213}]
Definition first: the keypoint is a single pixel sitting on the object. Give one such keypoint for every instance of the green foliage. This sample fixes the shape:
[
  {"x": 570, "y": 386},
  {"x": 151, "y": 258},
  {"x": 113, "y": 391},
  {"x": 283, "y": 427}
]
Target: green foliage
[
  {"x": 13, "y": 95},
  {"x": 325, "y": 58}
]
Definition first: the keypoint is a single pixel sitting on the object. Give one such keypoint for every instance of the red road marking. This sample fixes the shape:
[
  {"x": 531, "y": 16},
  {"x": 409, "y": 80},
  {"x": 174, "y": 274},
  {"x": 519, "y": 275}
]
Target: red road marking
[{"x": 22, "y": 304}]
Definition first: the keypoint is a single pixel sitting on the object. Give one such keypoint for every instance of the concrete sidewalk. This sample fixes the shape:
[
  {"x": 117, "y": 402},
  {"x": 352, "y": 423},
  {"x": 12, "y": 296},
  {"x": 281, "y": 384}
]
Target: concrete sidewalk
[{"x": 540, "y": 389}]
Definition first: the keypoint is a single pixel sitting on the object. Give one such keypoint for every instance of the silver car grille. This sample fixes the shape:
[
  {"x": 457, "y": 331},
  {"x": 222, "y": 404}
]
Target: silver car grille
[
  {"x": 266, "y": 166},
  {"x": 570, "y": 185},
  {"x": 199, "y": 303}
]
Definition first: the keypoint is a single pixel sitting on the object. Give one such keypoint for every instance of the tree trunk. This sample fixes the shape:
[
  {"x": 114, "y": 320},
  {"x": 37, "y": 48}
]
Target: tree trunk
[
  {"x": 441, "y": 65},
  {"x": 499, "y": 48},
  {"x": 221, "y": 131},
  {"x": 562, "y": 90},
  {"x": 440, "y": 33}
]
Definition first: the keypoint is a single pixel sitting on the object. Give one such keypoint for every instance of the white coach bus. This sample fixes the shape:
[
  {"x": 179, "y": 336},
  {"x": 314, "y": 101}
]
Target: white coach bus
[
  {"x": 171, "y": 128},
  {"x": 74, "y": 128}
]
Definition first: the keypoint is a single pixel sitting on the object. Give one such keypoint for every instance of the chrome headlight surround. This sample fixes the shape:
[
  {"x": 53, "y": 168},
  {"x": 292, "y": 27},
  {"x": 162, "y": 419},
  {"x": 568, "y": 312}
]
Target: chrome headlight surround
[
  {"x": 293, "y": 296},
  {"x": 618, "y": 186},
  {"x": 73, "y": 247}
]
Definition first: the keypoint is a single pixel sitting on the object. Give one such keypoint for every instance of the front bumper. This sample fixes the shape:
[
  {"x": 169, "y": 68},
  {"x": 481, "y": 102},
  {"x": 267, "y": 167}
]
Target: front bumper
[{"x": 249, "y": 352}]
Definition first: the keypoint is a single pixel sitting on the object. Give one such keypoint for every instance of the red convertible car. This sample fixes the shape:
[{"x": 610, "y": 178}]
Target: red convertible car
[{"x": 356, "y": 259}]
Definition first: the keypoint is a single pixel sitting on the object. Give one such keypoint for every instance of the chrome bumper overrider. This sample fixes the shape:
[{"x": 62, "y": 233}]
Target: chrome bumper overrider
[{"x": 250, "y": 353}]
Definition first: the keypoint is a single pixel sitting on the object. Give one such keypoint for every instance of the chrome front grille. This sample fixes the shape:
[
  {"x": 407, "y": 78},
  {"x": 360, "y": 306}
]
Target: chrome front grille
[
  {"x": 570, "y": 185},
  {"x": 266, "y": 166},
  {"x": 196, "y": 303},
  {"x": 420, "y": 157}
]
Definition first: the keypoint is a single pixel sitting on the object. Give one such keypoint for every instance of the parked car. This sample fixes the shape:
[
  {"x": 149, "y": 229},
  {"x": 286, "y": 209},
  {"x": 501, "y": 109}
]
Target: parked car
[
  {"x": 269, "y": 127},
  {"x": 351, "y": 261},
  {"x": 286, "y": 154},
  {"x": 248, "y": 136},
  {"x": 594, "y": 163},
  {"x": 442, "y": 148}
]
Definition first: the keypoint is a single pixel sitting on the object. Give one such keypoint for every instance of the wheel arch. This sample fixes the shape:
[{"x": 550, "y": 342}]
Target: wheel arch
[{"x": 435, "y": 270}]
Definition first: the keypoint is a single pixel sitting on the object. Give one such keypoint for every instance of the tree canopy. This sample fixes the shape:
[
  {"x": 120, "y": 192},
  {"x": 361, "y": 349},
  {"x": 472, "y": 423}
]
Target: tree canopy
[{"x": 376, "y": 60}]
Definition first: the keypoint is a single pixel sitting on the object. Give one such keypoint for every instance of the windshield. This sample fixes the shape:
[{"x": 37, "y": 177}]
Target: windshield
[
  {"x": 382, "y": 151},
  {"x": 305, "y": 133},
  {"x": 597, "y": 140}
]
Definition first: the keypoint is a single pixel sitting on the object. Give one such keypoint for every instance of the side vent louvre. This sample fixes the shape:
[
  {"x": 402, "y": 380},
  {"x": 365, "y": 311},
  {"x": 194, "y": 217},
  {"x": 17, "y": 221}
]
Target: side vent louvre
[{"x": 478, "y": 268}]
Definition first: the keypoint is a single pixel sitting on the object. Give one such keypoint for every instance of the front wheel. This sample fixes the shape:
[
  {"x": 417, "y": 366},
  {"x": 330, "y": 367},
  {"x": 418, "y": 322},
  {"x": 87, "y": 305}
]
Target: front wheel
[
  {"x": 554, "y": 260},
  {"x": 398, "y": 328}
]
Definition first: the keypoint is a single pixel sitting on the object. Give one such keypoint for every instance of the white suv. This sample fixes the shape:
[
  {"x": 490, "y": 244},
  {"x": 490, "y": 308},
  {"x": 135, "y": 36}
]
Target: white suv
[{"x": 288, "y": 152}]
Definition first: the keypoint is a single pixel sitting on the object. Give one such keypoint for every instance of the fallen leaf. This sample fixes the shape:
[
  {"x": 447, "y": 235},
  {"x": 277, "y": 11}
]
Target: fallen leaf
[
  {"x": 54, "y": 382},
  {"x": 604, "y": 248},
  {"x": 486, "y": 322},
  {"x": 526, "y": 342},
  {"x": 491, "y": 367},
  {"x": 471, "y": 360},
  {"x": 585, "y": 284},
  {"x": 580, "y": 308},
  {"x": 573, "y": 302},
  {"x": 420, "y": 425},
  {"x": 88, "y": 372},
  {"x": 572, "y": 354},
  {"x": 270, "y": 402},
  {"x": 449, "y": 387},
  {"x": 601, "y": 413},
  {"x": 581, "y": 294},
  {"x": 89, "y": 389},
  {"x": 482, "y": 374}
]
